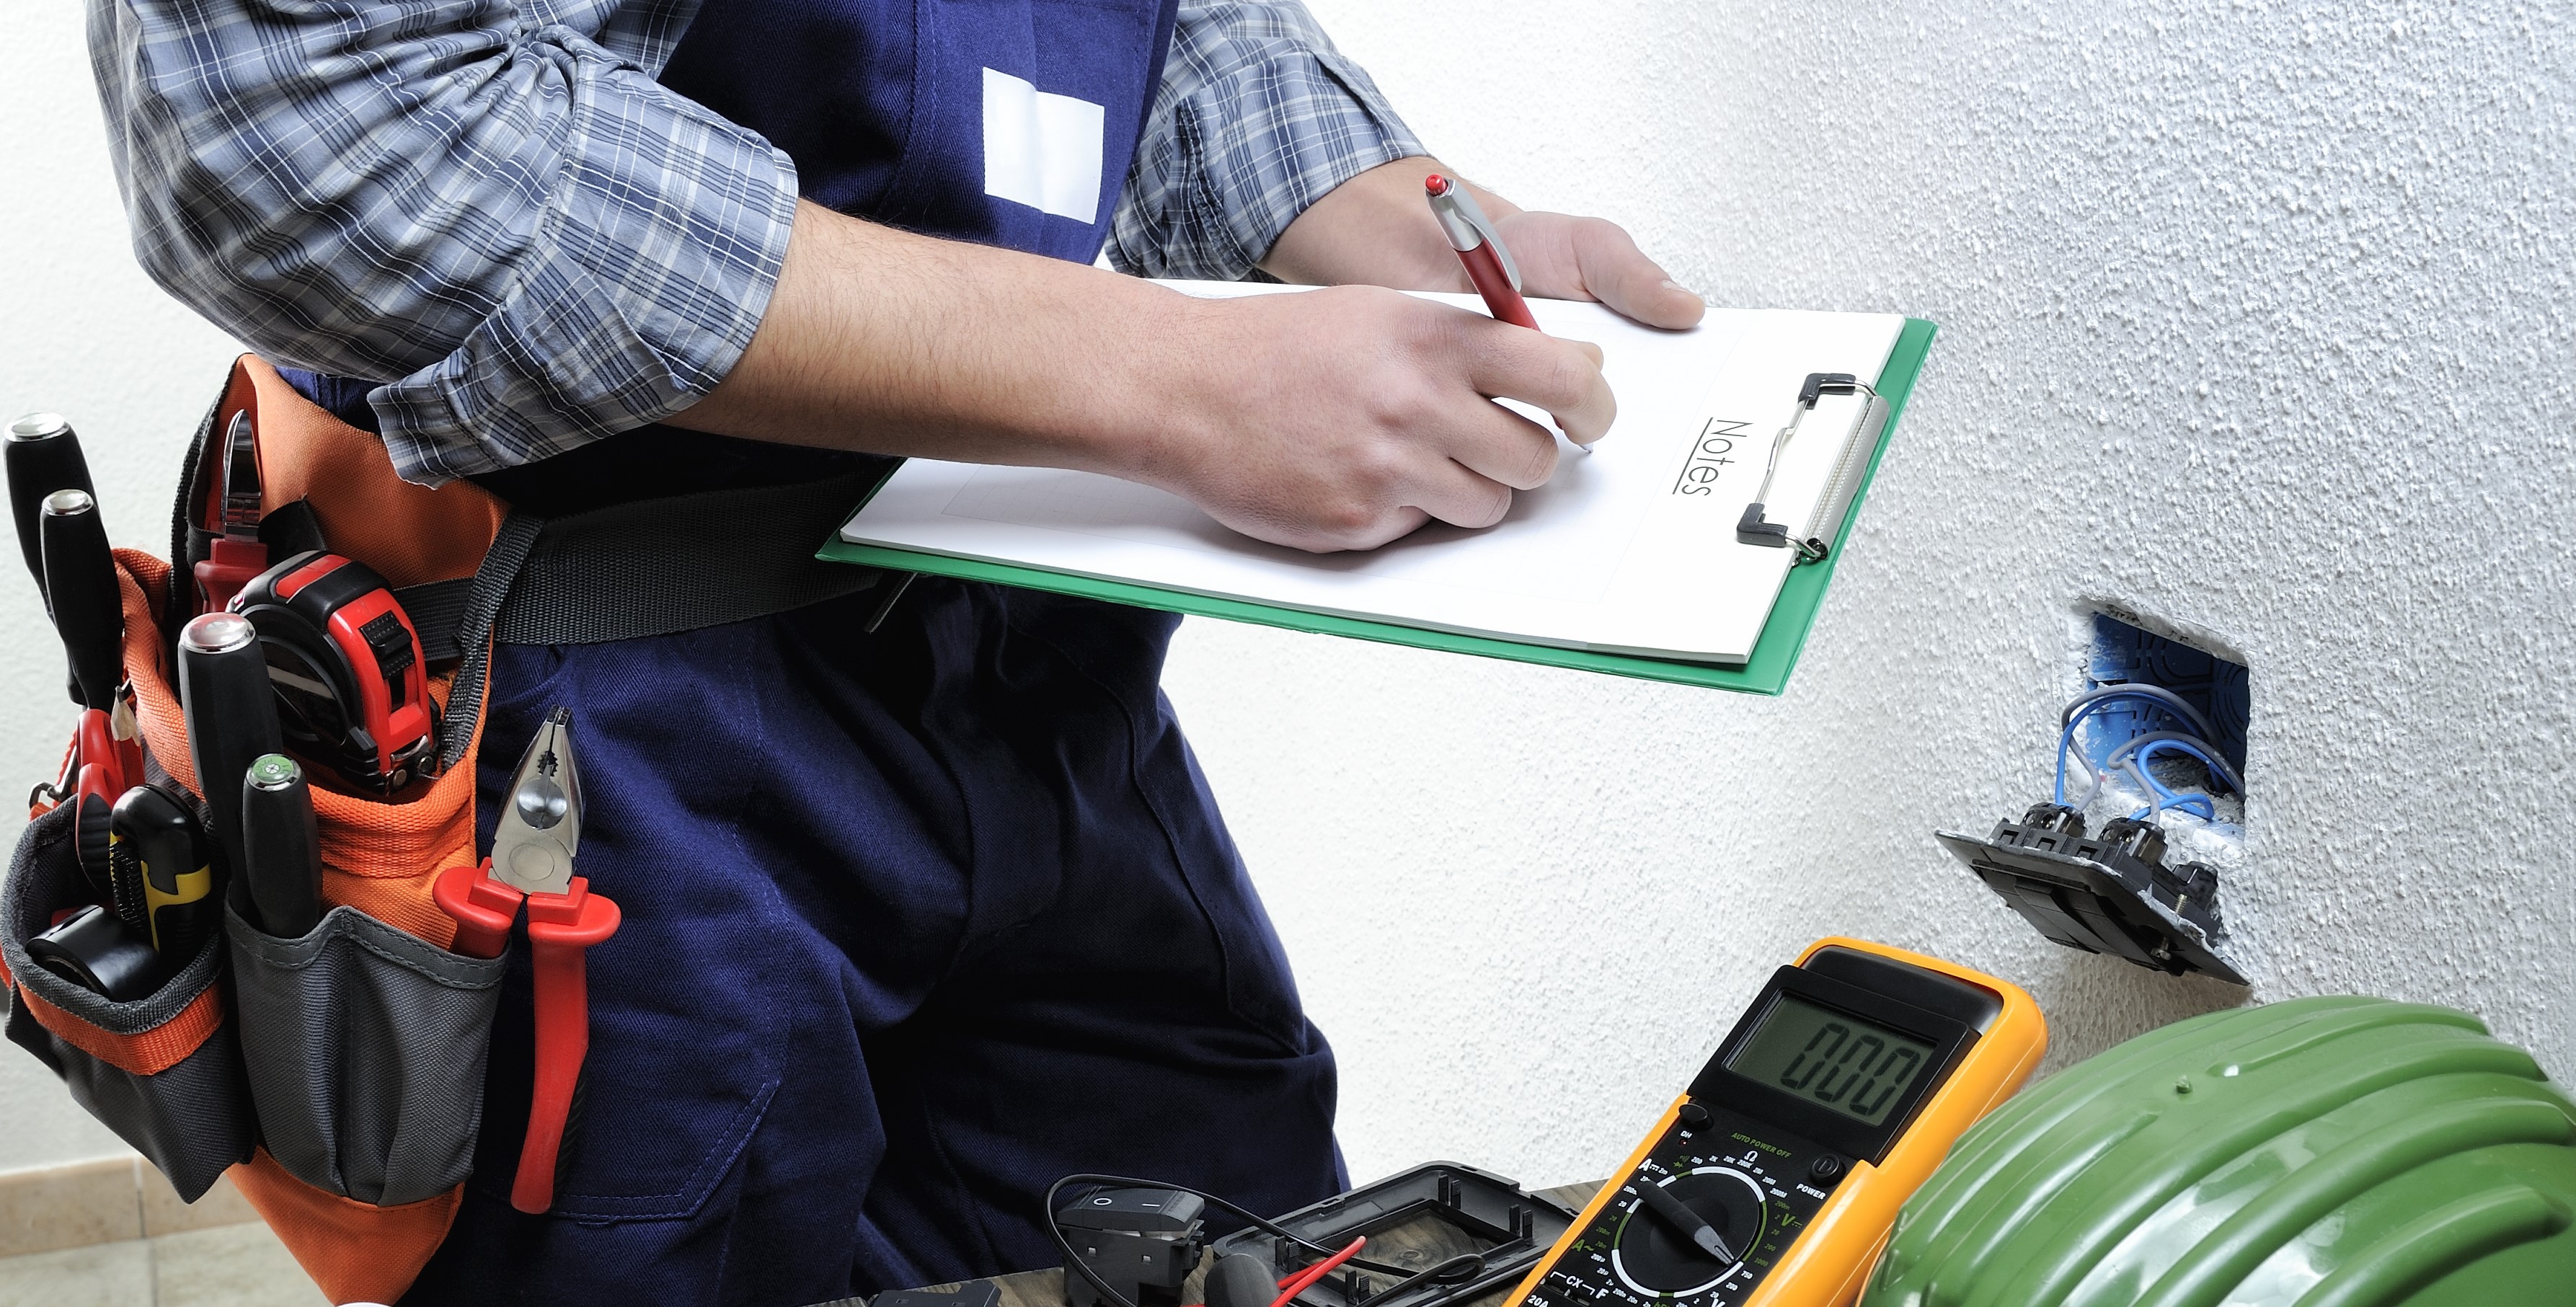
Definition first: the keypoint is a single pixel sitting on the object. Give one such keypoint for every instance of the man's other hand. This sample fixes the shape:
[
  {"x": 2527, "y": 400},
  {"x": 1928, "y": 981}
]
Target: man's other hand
[{"x": 1377, "y": 228}]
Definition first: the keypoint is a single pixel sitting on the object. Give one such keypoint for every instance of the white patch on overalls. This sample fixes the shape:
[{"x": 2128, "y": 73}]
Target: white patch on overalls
[{"x": 1041, "y": 149}]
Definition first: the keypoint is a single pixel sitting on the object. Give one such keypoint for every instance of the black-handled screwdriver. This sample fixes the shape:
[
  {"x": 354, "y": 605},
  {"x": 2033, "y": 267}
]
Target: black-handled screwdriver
[
  {"x": 43, "y": 455},
  {"x": 231, "y": 714},
  {"x": 281, "y": 849},
  {"x": 80, "y": 578},
  {"x": 172, "y": 872},
  {"x": 1685, "y": 1222}
]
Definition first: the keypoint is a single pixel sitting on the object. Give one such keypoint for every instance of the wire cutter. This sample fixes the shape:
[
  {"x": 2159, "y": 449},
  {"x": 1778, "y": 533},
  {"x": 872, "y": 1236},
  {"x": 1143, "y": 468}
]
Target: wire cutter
[{"x": 531, "y": 863}]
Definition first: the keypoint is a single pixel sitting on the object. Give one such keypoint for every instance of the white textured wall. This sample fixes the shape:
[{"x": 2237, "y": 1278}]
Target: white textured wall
[
  {"x": 2252, "y": 320},
  {"x": 82, "y": 331},
  {"x": 2255, "y": 317}
]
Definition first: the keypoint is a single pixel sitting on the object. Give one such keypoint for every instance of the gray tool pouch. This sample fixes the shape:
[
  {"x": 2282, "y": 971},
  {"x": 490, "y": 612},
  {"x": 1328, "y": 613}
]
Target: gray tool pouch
[
  {"x": 365, "y": 1047},
  {"x": 191, "y": 1117}
]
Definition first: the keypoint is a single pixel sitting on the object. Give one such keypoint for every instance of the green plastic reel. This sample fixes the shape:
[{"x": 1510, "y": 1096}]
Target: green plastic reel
[{"x": 2324, "y": 1152}]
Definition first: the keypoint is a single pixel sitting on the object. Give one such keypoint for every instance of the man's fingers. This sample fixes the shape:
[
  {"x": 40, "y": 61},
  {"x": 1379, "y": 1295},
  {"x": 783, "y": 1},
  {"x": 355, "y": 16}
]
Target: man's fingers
[
  {"x": 1461, "y": 497},
  {"x": 1561, "y": 376},
  {"x": 1618, "y": 274},
  {"x": 1503, "y": 447}
]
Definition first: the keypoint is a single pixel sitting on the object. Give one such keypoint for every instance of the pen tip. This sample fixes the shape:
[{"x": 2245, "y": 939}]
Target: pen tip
[{"x": 1435, "y": 184}]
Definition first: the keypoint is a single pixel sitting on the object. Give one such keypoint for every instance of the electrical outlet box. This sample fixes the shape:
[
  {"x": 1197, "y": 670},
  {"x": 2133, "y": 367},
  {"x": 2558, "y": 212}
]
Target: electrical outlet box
[{"x": 2125, "y": 653}]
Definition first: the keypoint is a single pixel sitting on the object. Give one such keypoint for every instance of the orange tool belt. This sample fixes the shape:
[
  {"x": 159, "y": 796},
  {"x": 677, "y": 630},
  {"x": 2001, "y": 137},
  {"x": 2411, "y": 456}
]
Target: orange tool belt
[{"x": 339, "y": 1077}]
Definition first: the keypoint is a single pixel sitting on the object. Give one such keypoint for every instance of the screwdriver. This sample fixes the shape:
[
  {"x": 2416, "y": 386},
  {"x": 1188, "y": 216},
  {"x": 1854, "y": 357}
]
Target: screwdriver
[
  {"x": 43, "y": 455},
  {"x": 1685, "y": 1222},
  {"x": 80, "y": 579},
  {"x": 172, "y": 872},
  {"x": 282, "y": 851},
  {"x": 231, "y": 714}
]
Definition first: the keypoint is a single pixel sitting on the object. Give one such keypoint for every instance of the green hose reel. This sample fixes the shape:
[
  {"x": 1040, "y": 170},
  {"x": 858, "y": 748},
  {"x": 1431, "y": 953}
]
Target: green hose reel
[{"x": 2324, "y": 1152}]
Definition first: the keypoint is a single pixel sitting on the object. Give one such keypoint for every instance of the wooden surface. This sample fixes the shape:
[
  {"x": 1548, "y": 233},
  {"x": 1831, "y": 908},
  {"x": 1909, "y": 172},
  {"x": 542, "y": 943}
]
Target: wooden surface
[{"x": 1423, "y": 1243}]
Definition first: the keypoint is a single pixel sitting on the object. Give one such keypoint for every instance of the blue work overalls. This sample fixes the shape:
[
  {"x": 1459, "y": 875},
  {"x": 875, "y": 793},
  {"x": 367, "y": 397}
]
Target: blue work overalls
[{"x": 918, "y": 920}]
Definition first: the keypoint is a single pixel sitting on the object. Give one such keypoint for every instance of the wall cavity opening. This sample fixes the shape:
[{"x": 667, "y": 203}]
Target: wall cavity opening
[{"x": 2126, "y": 653}]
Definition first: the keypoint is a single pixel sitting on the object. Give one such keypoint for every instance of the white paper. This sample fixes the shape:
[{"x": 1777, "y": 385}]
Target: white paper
[{"x": 1631, "y": 549}]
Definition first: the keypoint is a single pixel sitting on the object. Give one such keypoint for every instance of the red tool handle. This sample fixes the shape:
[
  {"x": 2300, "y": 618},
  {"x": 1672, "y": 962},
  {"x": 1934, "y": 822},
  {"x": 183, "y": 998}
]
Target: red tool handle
[
  {"x": 229, "y": 565},
  {"x": 483, "y": 909},
  {"x": 561, "y": 927},
  {"x": 95, "y": 743}
]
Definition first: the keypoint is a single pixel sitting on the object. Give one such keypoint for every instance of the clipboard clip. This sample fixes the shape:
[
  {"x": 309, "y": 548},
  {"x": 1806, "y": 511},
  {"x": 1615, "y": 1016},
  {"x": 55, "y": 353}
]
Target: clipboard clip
[{"x": 1858, "y": 443}]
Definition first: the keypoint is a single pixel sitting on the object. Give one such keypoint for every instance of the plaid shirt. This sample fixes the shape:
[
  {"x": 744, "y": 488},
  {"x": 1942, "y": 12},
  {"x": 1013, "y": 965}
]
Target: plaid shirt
[{"x": 495, "y": 211}]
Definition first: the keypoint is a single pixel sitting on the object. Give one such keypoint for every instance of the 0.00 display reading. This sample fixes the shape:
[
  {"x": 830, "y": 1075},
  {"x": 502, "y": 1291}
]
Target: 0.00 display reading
[{"x": 1853, "y": 1067}]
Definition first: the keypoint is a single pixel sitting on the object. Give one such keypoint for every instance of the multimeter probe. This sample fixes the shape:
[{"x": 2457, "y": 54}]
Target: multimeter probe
[{"x": 1775, "y": 1179}]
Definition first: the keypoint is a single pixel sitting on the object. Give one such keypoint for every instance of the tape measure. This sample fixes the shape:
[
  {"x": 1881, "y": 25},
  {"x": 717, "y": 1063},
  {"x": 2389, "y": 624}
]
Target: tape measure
[
  {"x": 1774, "y": 1180},
  {"x": 351, "y": 685}
]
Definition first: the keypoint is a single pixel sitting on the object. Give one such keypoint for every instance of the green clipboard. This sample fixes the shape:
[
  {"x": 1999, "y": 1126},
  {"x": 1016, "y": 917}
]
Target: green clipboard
[{"x": 1775, "y": 655}]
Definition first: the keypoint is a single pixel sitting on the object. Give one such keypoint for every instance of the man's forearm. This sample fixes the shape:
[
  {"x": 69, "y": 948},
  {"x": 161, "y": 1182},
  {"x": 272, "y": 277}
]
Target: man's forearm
[
  {"x": 895, "y": 343},
  {"x": 1332, "y": 419}
]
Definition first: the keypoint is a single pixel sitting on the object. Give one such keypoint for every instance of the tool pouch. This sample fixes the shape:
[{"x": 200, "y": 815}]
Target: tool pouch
[
  {"x": 163, "y": 1071},
  {"x": 341, "y": 1074},
  {"x": 365, "y": 1051}
]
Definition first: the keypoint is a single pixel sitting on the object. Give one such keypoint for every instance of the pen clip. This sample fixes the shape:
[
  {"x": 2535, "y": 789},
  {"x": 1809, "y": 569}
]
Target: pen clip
[{"x": 1464, "y": 222}]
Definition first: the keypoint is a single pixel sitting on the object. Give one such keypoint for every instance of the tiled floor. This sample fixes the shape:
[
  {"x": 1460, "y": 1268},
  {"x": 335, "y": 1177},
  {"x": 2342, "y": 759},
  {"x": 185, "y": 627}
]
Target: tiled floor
[{"x": 226, "y": 1266}]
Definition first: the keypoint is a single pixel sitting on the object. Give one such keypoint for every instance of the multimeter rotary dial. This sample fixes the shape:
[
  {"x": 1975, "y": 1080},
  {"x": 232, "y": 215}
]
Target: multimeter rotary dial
[{"x": 1651, "y": 1256}]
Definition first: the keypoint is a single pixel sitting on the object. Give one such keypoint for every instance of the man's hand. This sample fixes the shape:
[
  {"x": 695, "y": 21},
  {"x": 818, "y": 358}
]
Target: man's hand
[
  {"x": 1345, "y": 418},
  {"x": 1376, "y": 228},
  {"x": 1337, "y": 419}
]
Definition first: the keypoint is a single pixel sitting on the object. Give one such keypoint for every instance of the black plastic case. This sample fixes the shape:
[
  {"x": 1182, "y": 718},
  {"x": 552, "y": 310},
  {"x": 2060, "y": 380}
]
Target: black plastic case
[{"x": 1417, "y": 1218}]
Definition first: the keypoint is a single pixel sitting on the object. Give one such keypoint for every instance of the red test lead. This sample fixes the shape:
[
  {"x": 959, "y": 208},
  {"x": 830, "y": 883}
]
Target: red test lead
[{"x": 1489, "y": 265}]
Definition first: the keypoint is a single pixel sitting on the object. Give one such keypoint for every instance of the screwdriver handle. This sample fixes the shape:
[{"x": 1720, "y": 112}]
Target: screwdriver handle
[
  {"x": 43, "y": 455},
  {"x": 231, "y": 714},
  {"x": 80, "y": 579},
  {"x": 281, "y": 848}
]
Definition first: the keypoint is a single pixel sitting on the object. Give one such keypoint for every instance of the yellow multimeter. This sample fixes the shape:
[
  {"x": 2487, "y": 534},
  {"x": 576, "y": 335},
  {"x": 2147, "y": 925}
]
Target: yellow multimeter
[{"x": 1774, "y": 1180}]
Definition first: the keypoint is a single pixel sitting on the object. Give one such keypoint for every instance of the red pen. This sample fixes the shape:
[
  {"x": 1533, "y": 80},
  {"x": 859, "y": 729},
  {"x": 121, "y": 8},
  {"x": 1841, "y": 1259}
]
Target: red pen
[{"x": 1489, "y": 265}]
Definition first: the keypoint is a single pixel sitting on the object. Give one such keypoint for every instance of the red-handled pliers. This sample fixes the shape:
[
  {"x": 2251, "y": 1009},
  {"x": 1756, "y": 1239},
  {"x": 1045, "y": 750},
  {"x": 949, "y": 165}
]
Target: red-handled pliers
[{"x": 531, "y": 863}]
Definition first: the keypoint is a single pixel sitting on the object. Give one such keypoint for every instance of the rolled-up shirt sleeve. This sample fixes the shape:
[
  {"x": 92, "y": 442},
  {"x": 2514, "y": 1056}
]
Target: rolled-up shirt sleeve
[
  {"x": 1258, "y": 117},
  {"x": 502, "y": 220}
]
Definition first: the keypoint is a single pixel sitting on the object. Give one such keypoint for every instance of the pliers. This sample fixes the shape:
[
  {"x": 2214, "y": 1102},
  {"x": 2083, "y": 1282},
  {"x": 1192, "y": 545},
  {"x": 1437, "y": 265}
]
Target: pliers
[{"x": 531, "y": 863}]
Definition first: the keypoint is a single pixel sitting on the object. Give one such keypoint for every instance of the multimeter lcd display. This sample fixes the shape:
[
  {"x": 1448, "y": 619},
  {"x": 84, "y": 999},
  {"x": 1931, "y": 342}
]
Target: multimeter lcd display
[{"x": 1853, "y": 1067}]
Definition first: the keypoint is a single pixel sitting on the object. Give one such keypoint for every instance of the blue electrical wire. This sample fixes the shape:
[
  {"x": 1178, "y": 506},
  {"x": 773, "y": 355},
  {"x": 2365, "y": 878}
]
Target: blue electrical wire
[
  {"x": 2163, "y": 798},
  {"x": 2085, "y": 705},
  {"x": 2144, "y": 746},
  {"x": 2175, "y": 703}
]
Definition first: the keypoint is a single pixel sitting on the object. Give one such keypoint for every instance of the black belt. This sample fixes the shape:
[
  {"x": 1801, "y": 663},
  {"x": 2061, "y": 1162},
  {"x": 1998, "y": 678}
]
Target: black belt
[{"x": 635, "y": 570}]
